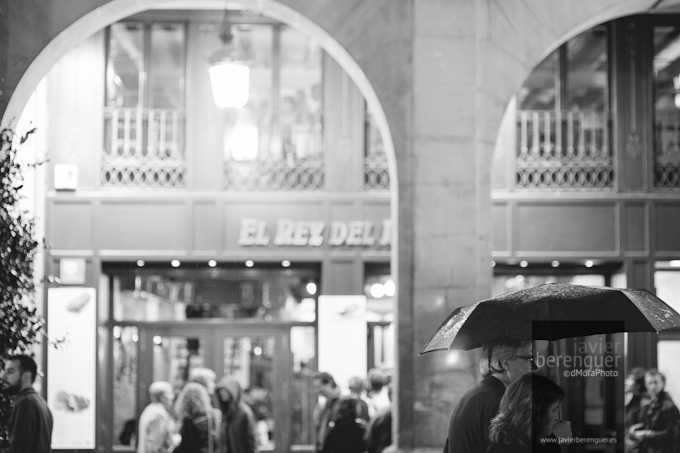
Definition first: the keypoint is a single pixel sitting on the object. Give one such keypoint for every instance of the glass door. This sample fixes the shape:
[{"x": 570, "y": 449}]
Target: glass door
[{"x": 257, "y": 357}]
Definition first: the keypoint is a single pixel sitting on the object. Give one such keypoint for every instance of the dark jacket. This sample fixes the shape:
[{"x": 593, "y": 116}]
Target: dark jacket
[
  {"x": 660, "y": 416},
  {"x": 632, "y": 410},
  {"x": 346, "y": 436},
  {"x": 30, "y": 424},
  {"x": 379, "y": 431},
  {"x": 469, "y": 428},
  {"x": 323, "y": 420},
  {"x": 237, "y": 433},
  {"x": 199, "y": 435}
]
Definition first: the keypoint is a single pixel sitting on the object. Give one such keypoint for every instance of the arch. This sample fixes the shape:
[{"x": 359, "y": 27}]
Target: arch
[{"x": 116, "y": 10}]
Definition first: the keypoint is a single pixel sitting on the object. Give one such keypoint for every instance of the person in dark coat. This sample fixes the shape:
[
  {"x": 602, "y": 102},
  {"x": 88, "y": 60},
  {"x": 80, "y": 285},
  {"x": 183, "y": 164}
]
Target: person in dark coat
[
  {"x": 199, "y": 429},
  {"x": 634, "y": 392},
  {"x": 379, "y": 431},
  {"x": 346, "y": 433},
  {"x": 30, "y": 423},
  {"x": 325, "y": 412},
  {"x": 656, "y": 425},
  {"x": 503, "y": 362},
  {"x": 527, "y": 418},
  {"x": 237, "y": 433}
]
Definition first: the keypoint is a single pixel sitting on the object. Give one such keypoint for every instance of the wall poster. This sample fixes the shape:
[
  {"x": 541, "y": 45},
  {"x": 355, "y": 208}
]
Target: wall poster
[{"x": 71, "y": 367}]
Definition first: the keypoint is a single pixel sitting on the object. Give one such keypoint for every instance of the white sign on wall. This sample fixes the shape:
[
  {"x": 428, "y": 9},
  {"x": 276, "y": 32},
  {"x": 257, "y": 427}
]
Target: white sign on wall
[
  {"x": 71, "y": 367},
  {"x": 342, "y": 337}
]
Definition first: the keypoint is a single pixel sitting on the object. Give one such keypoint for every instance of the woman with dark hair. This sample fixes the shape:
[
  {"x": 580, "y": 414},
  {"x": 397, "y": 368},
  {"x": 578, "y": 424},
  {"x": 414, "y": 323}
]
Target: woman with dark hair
[
  {"x": 199, "y": 425},
  {"x": 655, "y": 426},
  {"x": 527, "y": 416},
  {"x": 346, "y": 434}
]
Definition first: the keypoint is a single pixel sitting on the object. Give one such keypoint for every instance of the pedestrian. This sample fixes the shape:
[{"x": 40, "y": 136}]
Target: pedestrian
[
  {"x": 378, "y": 434},
  {"x": 655, "y": 426},
  {"x": 156, "y": 424},
  {"x": 378, "y": 391},
  {"x": 528, "y": 418},
  {"x": 502, "y": 363},
  {"x": 30, "y": 423},
  {"x": 357, "y": 389},
  {"x": 237, "y": 430},
  {"x": 324, "y": 412},
  {"x": 346, "y": 430},
  {"x": 200, "y": 428},
  {"x": 634, "y": 391},
  {"x": 206, "y": 377}
]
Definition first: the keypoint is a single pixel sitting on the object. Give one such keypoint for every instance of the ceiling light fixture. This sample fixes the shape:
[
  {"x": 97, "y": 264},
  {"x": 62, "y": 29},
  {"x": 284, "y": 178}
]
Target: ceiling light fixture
[{"x": 229, "y": 71}]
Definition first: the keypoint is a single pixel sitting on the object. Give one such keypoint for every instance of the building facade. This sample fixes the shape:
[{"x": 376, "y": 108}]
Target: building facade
[{"x": 471, "y": 138}]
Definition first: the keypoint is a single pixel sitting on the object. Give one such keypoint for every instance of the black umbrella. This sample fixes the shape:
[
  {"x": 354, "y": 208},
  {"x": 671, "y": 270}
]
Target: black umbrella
[{"x": 512, "y": 316}]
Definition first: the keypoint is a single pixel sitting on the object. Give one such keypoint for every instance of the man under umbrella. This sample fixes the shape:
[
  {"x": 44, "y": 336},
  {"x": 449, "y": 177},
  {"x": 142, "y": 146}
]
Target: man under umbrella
[{"x": 503, "y": 362}]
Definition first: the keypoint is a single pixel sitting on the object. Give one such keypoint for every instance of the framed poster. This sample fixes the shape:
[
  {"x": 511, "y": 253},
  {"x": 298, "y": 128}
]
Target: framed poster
[{"x": 71, "y": 367}]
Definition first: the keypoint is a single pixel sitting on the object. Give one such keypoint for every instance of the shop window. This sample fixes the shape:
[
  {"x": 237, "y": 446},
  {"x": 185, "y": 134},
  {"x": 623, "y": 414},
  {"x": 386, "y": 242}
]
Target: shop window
[
  {"x": 144, "y": 113},
  {"x": 562, "y": 121},
  {"x": 667, "y": 285},
  {"x": 275, "y": 141},
  {"x": 667, "y": 107},
  {"x": 228, "y": 293}
]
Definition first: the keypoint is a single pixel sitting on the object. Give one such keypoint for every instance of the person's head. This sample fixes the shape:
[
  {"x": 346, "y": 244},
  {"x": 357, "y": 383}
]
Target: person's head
[
  {"x": 528, "y": 410},
  {"x": 229, "y": 393},
  {"x": 356, "y": 386},
  {"x": 655, "y": 382},
  {"x": 507, "y": 359},
  {"x": 376, "y": 379},
  {"x": 193, "y": 400},
  {"x": 161, "y": 392},
  {"x": 20, "y": 372},
  {"x": 635, "y": 381},
  {"x": 347, "y": 410},
  {"x": 204, "y": 376},
  {"x": 325, "y": 385}
]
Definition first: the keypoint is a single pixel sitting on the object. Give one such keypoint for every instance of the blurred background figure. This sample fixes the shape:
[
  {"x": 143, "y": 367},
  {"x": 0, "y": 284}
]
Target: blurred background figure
[
  {"x": 324, "y": 412},
  {"x": 655, "y": 426},
  {"x": 206, "y": 377},
  {"x": 346, "y": 430},
  {"x": 634, "y": 391},
  {"x": 156, "y": 424},
  {"x": 378, "y": 391},
  {"x": 200, "y": 428},
  {"x": 357, "y": 388},
  {"x": 237, "y": 430},
  {"x": 378, "y": 434}
]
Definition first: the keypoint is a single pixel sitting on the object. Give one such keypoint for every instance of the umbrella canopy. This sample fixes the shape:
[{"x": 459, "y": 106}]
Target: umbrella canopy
[{"x": 512, "y": 316}]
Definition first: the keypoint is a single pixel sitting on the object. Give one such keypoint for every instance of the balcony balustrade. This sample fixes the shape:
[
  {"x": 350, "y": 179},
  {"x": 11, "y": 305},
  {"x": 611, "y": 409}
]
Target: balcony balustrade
[
  {"x": 298, "y": 174},
  {"x": 566, "y": 150},
  {"x": 144, "y": 148},
  {"x": 667, "y": 149}
]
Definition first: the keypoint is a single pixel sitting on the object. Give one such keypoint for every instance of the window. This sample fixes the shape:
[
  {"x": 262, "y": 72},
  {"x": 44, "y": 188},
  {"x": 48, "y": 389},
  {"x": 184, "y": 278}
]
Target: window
[{"x": 144, "y": 114}]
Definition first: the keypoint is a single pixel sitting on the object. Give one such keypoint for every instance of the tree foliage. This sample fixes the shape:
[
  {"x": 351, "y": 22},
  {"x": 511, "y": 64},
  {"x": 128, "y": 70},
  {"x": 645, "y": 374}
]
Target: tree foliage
[{"x": 19, "y": 323}]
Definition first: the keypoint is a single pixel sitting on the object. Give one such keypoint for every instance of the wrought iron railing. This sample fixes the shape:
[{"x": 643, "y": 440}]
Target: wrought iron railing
[
  {"x": 376, "y": 172},
  {"x": 566, "y": 150},
  {"x": 144, "y": 148},
  {"x": 667, "y": 149},
  {"x": 301, "y": 174}
]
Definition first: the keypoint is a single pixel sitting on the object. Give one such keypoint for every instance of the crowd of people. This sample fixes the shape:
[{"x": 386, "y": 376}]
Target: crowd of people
[
  {"x": 358, "y": 422},
  {"x": 210, "y": 416}
]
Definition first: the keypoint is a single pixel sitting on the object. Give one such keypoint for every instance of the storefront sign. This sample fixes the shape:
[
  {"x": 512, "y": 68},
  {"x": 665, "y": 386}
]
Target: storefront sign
[
  {"x": 71, "y": 367},
  {"x": 301, "y": 233}
]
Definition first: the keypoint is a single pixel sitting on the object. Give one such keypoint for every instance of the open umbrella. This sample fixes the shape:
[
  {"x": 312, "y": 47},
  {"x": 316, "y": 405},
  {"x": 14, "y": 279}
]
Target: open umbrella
[{"x": 512, "y": 316}]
